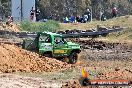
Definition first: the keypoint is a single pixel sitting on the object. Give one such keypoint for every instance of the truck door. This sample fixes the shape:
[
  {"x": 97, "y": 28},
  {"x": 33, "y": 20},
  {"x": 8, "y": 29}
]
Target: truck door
[
  {"x": 60, "y": 47},
  {"x": 45, "y": 44}
]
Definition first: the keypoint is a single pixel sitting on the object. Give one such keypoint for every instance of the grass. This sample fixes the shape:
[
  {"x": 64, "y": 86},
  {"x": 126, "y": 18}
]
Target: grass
[
  {"x": 124, "y": 21},
  {"x": 51, "y": 26}
]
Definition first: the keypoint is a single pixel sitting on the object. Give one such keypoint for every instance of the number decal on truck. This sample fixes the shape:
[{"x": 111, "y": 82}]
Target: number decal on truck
[{"x": 60, "y": 51}]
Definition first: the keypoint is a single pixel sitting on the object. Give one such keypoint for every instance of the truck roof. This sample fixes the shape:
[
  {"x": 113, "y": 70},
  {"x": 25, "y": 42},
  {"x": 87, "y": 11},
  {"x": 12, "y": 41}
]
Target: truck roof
[{"x": 51, "y": 33}]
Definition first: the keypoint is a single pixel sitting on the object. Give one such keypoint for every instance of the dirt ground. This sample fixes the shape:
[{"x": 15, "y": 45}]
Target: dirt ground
[
  {"x": 17, "y": 81},
  {"x": 10, "y": 27},
  {"x": 24, "y": 69},
  {"x": 104, "y": 61},
  {"x": 15, "y": 59}
]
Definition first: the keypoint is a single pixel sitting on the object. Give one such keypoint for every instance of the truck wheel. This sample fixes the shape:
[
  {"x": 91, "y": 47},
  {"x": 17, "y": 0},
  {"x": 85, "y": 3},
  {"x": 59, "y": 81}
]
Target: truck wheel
[{"x": 73, "y": 58}]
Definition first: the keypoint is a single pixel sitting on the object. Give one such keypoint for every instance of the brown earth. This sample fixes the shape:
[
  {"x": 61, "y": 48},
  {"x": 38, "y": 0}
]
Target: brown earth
[
  {"x": 10, "y": 27},
  {"x": 17, "y": 81},
  {"x": 111, "y": 61},
  {"x": 72, "y": 84},
  {"x": 15, "y": 59},
  {"x": 116, "y": 74},
  {"x": 104, "y": 60}
]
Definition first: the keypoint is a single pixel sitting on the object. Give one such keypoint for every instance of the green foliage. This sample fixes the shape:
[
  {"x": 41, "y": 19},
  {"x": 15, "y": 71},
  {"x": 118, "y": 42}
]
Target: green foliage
[
  {"x": 51, "y": 26},
  {"x": 130, "y": 1},
  {"x": 63, "y": 8},
  {"x": 25, "y": 26}
]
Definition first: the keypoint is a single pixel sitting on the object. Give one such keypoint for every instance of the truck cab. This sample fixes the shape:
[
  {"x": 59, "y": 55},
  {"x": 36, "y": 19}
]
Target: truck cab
[{"x": 54, "y": 45}]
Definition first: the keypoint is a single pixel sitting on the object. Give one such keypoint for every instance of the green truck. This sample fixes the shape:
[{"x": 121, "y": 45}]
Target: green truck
[{"x": 53, "y": 45}]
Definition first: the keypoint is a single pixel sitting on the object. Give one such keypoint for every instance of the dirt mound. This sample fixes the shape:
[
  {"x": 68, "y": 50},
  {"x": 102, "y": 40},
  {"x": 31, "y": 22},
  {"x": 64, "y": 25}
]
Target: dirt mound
[
  {"x": 10, "y": 27},
  {"x": 15, "y": 59}
]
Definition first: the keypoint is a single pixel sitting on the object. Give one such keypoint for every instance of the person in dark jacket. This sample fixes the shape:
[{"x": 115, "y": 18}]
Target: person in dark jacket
[{"x": 88, "y": 13}]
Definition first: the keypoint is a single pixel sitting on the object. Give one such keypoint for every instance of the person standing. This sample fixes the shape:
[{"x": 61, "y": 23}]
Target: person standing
[
  {"x": 114, "y": 12},
  {"x": 37, "y": 14},
  {"x": 88, "y": 13},
  {"x": 32, "y": 15},
  {"x": 102, "y": 16}
]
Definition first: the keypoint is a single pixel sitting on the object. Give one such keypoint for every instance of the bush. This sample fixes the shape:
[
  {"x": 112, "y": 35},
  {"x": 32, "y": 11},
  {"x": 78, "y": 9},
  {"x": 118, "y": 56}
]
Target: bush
[{"x": 51, "y": 26}]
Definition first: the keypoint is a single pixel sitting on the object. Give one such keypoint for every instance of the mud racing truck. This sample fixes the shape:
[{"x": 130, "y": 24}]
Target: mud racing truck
[{"x": 53, "y": 45}]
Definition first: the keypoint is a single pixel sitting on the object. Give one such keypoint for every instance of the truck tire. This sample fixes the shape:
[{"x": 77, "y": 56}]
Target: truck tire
[{"x": 73, "y": 58}]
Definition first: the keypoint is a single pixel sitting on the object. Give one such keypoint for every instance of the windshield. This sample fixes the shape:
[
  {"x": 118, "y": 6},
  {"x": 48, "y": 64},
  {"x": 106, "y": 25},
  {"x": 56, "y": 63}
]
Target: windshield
[
  {"x": 45, "y": 38},
  {"x": 66, "y": 39}
]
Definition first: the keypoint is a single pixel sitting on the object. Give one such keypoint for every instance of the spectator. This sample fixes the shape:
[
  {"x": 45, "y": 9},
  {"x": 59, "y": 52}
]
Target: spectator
[
  {"x": 82, "y": 19},
  {"x": 9, "y": 21},
  {"x": 102, "y": 16},
  {"x": 85, "y": 18},
  {"x": 114, "y": 12},
  {"x": 50, "y": 17},
  {"x": 72, "y": 19},
  {"x": 88, "y": 13},
  {"x": 78, "y": 19},
  {"x": 37, "y": 14},
  {"x": 66, "y": 20},
  {"x": 32, "y": 13}
]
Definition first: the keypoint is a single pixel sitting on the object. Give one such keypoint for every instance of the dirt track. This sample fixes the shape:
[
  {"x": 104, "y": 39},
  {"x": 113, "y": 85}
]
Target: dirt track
[
  {"x": 104, "y": 61},
  {"x": 17, "y": 81},
  {"x": 111, "y": 61}
]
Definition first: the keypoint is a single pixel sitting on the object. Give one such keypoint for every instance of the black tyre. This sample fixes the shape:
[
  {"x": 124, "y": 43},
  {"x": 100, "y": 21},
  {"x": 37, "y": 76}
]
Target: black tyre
[{"x": 73, "y": 58}]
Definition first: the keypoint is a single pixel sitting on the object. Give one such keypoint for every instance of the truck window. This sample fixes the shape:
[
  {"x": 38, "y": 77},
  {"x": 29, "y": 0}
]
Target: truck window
[
  {"x": 58, "y": 40},
  {"x": 45, "y": 38}
]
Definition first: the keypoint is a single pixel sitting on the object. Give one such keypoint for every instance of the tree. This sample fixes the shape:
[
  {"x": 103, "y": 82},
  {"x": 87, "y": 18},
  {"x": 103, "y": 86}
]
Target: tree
[{"x": 5, "y": 8}]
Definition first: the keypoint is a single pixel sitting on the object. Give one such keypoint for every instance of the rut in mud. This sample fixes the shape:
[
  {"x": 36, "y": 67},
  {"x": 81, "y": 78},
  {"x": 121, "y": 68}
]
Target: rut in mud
[{"x": 100, "y": 50}]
